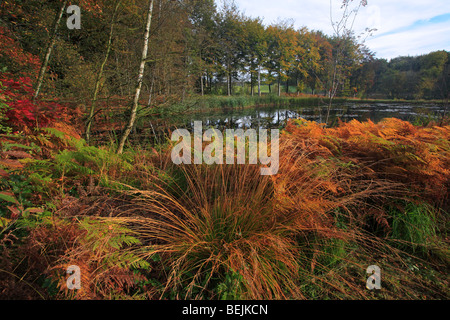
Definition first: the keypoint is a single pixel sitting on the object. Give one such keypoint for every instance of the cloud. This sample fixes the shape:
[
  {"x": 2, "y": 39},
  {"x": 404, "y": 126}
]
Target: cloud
[
  {"x": 405, "y": 27},
  {"x": 414, "y": 41}
]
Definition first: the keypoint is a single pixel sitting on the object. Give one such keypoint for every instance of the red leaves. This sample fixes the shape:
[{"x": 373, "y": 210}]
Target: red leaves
[
  {"x": 16, "y": 87},
  {"x": 15, "y": 58},
  {"x": 22, "y": 112},
  {"x": 14, "y": 93},
  {"x": 4, "y": 174}
]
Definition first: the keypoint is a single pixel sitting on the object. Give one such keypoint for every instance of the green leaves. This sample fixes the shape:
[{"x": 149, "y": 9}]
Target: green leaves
[
  {"x": 232, "y": 287},
  {"x": 110, "y": 239},
  {"x": 283, "y": 47},
  {"x": 8, "y": 197},
  {"x": 24, "y": 216},
  {"x": 415, "y": 227}
]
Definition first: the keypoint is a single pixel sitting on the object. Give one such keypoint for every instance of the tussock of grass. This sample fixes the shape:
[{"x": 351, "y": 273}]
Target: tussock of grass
[{"x": 223, "y": 223}]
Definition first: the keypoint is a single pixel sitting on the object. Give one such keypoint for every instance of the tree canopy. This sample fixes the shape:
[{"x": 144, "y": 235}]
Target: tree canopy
[{"x": 195, "y": 48}]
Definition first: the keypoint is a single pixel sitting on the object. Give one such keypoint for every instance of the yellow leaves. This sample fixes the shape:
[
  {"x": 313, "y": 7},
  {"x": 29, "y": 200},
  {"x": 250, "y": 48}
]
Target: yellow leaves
[{"x": 4, "y": 222}]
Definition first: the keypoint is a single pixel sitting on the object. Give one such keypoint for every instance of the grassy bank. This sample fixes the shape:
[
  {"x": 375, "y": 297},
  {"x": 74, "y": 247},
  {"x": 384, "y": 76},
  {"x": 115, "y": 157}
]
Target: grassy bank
[
  {"x": 209, "y": 102},
  {"x": 140, "y": 227}
]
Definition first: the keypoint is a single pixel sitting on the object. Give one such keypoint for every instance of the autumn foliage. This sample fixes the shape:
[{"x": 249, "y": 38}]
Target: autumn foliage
[
  {"x": 392, "y": 150},
  {"x": 337, "y": 189},
  {"x": 141, "y": 227},
  {"x": 18, "y": 111},
  {"x": 21, "y": 111},
  {"x": 340, "y": 199},
  {"x": 20, "y": 62}
]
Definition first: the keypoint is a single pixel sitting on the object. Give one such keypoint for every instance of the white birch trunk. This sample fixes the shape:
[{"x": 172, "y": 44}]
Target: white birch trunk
[
  {"x": 51, "y": 44},
  {"x": 134, "y": 108},
  {"x": 100, "y": 74}
]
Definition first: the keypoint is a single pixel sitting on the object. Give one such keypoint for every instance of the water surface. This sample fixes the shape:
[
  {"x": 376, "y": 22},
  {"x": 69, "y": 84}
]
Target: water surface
[{"x": 275, "y": 117}]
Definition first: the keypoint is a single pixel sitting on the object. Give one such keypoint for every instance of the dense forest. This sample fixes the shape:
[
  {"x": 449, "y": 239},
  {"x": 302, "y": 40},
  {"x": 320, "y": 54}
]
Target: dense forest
[
  {"x": 196, "y": 47},
  {"x": 134, "y": 225}
]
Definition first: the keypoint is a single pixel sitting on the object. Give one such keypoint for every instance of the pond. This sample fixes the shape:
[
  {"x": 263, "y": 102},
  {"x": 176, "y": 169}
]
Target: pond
[
  {"x": 275, "y": 117},
  {"x": 156, "y": 130}
]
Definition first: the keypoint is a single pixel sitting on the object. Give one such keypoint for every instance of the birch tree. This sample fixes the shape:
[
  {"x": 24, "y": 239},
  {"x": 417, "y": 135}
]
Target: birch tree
[
  {"x": 343, "y": 30},
  {"x": 100, "y": 73},
  {"x": 51, "y": 44},
  {"x": 135, "y": 105}
]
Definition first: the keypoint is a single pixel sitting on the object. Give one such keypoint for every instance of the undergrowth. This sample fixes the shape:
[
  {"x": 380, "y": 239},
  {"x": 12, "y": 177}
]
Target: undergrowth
[{"x": 140, "y": 227}]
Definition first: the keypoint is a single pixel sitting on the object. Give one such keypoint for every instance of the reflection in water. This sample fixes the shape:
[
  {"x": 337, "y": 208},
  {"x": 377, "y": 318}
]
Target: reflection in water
[
  {"x": 275, "y": 117},
  {"x": 272, "y": 117}
]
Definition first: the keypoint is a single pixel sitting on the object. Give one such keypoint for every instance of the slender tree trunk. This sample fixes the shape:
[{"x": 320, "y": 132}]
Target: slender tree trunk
[
  {"x": 100, "y": 74},
  {"x": 229, "y": 80},
  {"x": 210, "y": 83},
  {"x": 251, "y": 84},
  {"x": 150, "y": 95},
  {"x": 50, "y": 46},
  {"x": 259, "y": 80},
  {"x": 134, "y": 108},
  {"x": 279, "y": 85},
  {"x": 201, "y": 84},
  {"x": 116, "y": 58},
  {"x": 229, "y": 83},
  {"x": 334, "y": 87},
  {"x": 160, "y": 9}
]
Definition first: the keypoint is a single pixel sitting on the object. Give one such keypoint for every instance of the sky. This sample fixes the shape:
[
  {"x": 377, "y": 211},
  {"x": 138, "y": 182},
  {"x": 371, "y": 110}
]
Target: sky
[{"x": 404, "y": 27}]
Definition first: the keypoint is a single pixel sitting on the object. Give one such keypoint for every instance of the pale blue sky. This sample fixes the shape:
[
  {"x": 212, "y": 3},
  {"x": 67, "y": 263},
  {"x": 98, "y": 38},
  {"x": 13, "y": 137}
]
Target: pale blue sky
[{"x": 405, "y": 27}]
